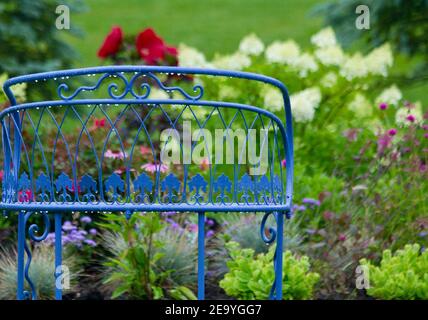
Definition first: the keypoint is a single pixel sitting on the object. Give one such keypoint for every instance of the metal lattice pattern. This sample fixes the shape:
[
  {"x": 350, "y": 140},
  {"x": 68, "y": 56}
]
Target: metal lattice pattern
[{"x": 97, "y": 147}]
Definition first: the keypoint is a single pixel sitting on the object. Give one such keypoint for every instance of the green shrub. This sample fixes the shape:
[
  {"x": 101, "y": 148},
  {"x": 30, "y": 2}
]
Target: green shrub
[
  {"x": 147, "y": 260},
  {"x": 251, "y": 277},
  {"x": 403, "y": 275}
]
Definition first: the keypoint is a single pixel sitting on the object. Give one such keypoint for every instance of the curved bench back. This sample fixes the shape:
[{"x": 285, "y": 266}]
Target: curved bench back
[{"x": 143, "y": 138}]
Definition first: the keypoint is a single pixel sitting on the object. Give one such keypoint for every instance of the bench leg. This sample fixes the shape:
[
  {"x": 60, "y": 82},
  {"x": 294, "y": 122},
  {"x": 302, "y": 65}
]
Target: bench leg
[
  {"x": 201, "y": 255},
  {"x": 58, "y": 256},
  {"x": 279, "y": 256},
  {"x": 21, "y": 242}
]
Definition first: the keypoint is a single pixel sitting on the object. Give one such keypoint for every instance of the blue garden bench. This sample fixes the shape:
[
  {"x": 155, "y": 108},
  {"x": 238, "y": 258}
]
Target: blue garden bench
[{"x": 48, "y": 171}]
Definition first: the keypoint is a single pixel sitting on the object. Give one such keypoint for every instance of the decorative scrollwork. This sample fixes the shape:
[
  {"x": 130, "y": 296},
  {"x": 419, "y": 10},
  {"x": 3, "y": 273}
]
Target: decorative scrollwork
[
  {"x": 89, "y": 187},
  {"x": 197, "y": 183},
  {"x": 62, "y": 184},
  {"x": 143, "y": 185},
  {"x": 169, "y": 184},
  {"x": 246, "y": 186},
  {"x": 33, "y": 230},
  {"x": 43, "y": 184},
  {"x": 277, "y": 188},
  {"x": 112, "y": 87},
  {"x": 129, "y": 87},
  {"x": 263, "y": 187},
  {"x": 272, "y": 231},
  {"x": 222, "y": 185},
  {"x": 115, "y": 184},
  {"x": 24, "y": 188},
  {"x": 196, "y": 88}
]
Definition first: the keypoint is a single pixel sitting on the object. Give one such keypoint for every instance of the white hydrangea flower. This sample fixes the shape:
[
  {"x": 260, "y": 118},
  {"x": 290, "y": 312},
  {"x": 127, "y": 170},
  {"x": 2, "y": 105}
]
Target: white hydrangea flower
[
  {"x": 18, "y": 90},
  {"x": 228, "y": 92},
  {"x": 191, "y": 57},
  {"x": 324, "y": 38},
  {"x": 354, "y": 67},
  {"x": 304, "y": 103},
  {"x": 273, "y": 99},
  {"x": 251, "y": 45},
  {"x": 282, "y": 52},
  {"x": 304, "y": 63},
  {"x": 391, "y": 95},
  {"x": 158, "y": 94},
  {"x": 328, "y": 56},
  {"x": 361, "y": 106},
  {"x": 379, "y": 60},
  {"x": 236, "y": 61},
  {"x": 401, "y": 116},
  {"x": 329, "y": 80}
]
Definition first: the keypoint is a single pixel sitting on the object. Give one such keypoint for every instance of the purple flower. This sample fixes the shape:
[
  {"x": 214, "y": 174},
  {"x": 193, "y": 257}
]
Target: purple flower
[
  {"x": 411, "y": 118},
  {"x": 193, "y": 227},
  {"x": 311, "y": 201},
  {"x": 392, "y": 132},
  {"x": 210, "y": 233},
  {"x": 342, "y": 237},
  {"x": 86, "y": 219},
  {"x": 383, "y": 142},
  {"x": 68, "y": 226},
  {"x": 426, "y": 135},
  {"x": 93, "y": 231},
  {"x": 383, "y": 106},
  {"x": 284, "y": 163},
  {"x": 90, "y": 242},
  {"x": 169, "y": 213},
  {"x": 210, "y": 222}
]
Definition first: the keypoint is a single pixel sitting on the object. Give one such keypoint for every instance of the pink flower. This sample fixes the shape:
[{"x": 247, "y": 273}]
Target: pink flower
[
  {"x": 193, "y": 227},
  {"x": 425, "y": 136},
  {"x": 1, "y": 175},
  {"x": 392, "y": 132},
  {"x": 328, "y": 215},
  {"x": 145, "y": 150},
  {"x": 205, "y": 163},
  {"x": 383, "y": 106},
  {"x": 153, "y": 167},
  {"x": 114, "y": 155},
  {"x": 425, "y": 127},
  {"x": 342, "y": 237},
  {"x": 383, "y": 142},
  {"x": 411, "y": 118},
  {"x": 284, "y": 163},
  {"x": 351, "y": 134}
]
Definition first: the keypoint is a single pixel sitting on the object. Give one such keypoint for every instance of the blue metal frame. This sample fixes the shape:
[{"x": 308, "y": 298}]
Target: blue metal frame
[{"x": 33, "y": 185}]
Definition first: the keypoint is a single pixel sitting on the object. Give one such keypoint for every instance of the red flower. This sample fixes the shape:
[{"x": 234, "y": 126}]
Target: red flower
[
  {"x": 25, "y": 196},
  {"x": 152, "y": 48},
  {"x": 99, "y": 123},
  {"x": 111, "y": 43}
]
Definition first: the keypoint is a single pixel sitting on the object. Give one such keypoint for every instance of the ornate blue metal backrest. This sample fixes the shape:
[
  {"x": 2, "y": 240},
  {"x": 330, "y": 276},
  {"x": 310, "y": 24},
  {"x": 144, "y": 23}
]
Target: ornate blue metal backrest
[{"x": 97, "y": 144}]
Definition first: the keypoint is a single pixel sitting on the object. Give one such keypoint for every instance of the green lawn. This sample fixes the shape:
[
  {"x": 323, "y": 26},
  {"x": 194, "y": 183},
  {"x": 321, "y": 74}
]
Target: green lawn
[{"x": 209, "y": 25}]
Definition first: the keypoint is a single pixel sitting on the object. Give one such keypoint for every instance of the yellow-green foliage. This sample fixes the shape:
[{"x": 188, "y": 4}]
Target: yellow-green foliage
[
  {"x": 251, "y": 277},
  {"x": 403, "y": 275}
]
